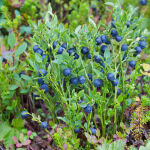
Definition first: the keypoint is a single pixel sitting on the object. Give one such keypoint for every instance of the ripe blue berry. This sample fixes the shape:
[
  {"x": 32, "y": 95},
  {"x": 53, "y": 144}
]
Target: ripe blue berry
[
  {"x": 98, "y": 83},
  {"x": 42, "y": 72},
  {"x": 118, "y": 92},
  {"x": 81, "y": 79},
  {"x": 24, "y": 114},
  {"x": 118, "y": 38},
  {"x": 113, "y": 24},
  {"x": 90, "y": 76},
  {"x": 89, "y": 55},
  {"x": 124, "y": 57},
  {"x": 103, "y": 64},
  {"x": 103, "y": 48},
  {"x": 115, "y": 82},
  {"x": 98, "y": 41},
  {"x": 124, "y": 47},
  {"x": 76, "y": 56},
  {"x": 110, "y": 77},
  {"x": 132, "y": 63},
  {"x": 93, "y": 131},
  {"x": 104, "y": 38},
  {"x": 88, "y": 108},
  {"x": 44, "y": 87},
  {"x": 74, "y": 80},
  {"x": 67, "y": 72},
  {"x": 85, "y": 50},
  {"x": 35, "y": 48},
  {"x": 64, "y": 45},
  {"x": 77, "y": 129},
  {"x": 97, "y": 59},
  {"x": 71, "y": 51},
  {"x": 143, "y": 2},
  {"x": 60, "y": 50},
  {"x": 40, "y": 81},
  {"x": 54, "y": 44},
  {"x": 142, "y": 44},
  {"x": 102, "y": 71},
  {"x": 44, "y": 124},
  {"x": 43, "y": 57},
  {"x": 114, "y": 33},
  {"x": 128, "y": 23},
  {"x": 138, "y": 49},
  {"x": 39, "y": 51}
]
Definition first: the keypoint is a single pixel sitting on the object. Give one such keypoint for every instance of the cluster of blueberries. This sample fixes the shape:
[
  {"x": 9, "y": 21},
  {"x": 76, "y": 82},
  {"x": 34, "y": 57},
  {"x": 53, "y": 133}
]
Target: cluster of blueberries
[{"x": 25, "y": 115}]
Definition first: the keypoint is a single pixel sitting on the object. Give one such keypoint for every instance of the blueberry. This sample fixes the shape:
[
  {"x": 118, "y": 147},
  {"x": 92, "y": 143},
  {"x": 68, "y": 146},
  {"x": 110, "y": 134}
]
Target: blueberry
[
  {"x": 97, "y": 59},
  {"x": 114, "y": 33},
  {"x": 128, "y": 23},
  {"x": 89, "y": 55},
  {"x": 143, "y": 2},
  {"x": 64, "y": 45},
  {"x": 103, "y": 48},
  {"x": 40, "y": 81},
  {"x": 88, "y": 108},
  {"x": 138, "y": 49},
  {"x": 67, "y": 72},
  {"x": 113, "y": 24},
  {"x": 142, "y": 44},
  {"x": 98, "y": 83},
  {"x": 90, "y": 76},
  {"x": 43, "y": 57},
  {"x": 35, "y": 48},
  {"x": 104, "y": 38},
  {"x": 110, "y": 77},
  {"x": 60, "y": 50},
  {"x": 93, "y": 131},
  {"x": 85, "y": 50},
  {"x": 74, "y": 80},
  {"x": 115, "y": 82},
  {"x": 103, "y": 64},
  {"x": 44, "y": 87},
  {"x": 102, "y": 71},
  {"x": 39, "y": 51},
  {"x": 54, "y": 44},
  {"x": 24, "y": 114},
  {"x": 124, "y": 47},
  {"x": 76, "y": 56},
  {"x": 81, "y": 79},
  {"x": 124, "y": 57},
  {"x": 98, "y": 41},
  {"x": 47, "y": 64},
  {"x": 77, "y": 129},
  {"x": 42, "y": 72},
  {"x": 71, "y": 51},
  {"x": 118, "y": 92},
  {"x": 118, "y": 38},
  {"x": 44, "y": 124},
  {"x": 108, "y": 42},
  {"x": 132, "y": 63}
]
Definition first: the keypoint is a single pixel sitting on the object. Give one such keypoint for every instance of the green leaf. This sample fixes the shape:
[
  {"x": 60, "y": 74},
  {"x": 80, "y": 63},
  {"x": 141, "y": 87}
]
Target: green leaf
[
  {"x": 92, "y": 22},
  {"x": 18, "y": 123},
  {"x": 109, "y": 4},
  {"x": 63, "y": 119},
  {"x": 25, "y": 77},
  {"x": 21, "y": 49},
  {"x": 11, "y": 39},
  {"x": 38, "y": 57},
  {"x": 13, "y": 87}
]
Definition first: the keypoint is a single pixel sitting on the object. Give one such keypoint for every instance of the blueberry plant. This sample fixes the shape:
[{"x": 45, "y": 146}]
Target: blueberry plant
[{"x": 85, "y": 73}]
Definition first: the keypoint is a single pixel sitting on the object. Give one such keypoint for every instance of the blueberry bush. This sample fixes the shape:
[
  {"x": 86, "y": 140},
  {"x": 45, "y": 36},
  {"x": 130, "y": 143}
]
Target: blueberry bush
[{"x": 76, "y": 81}]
